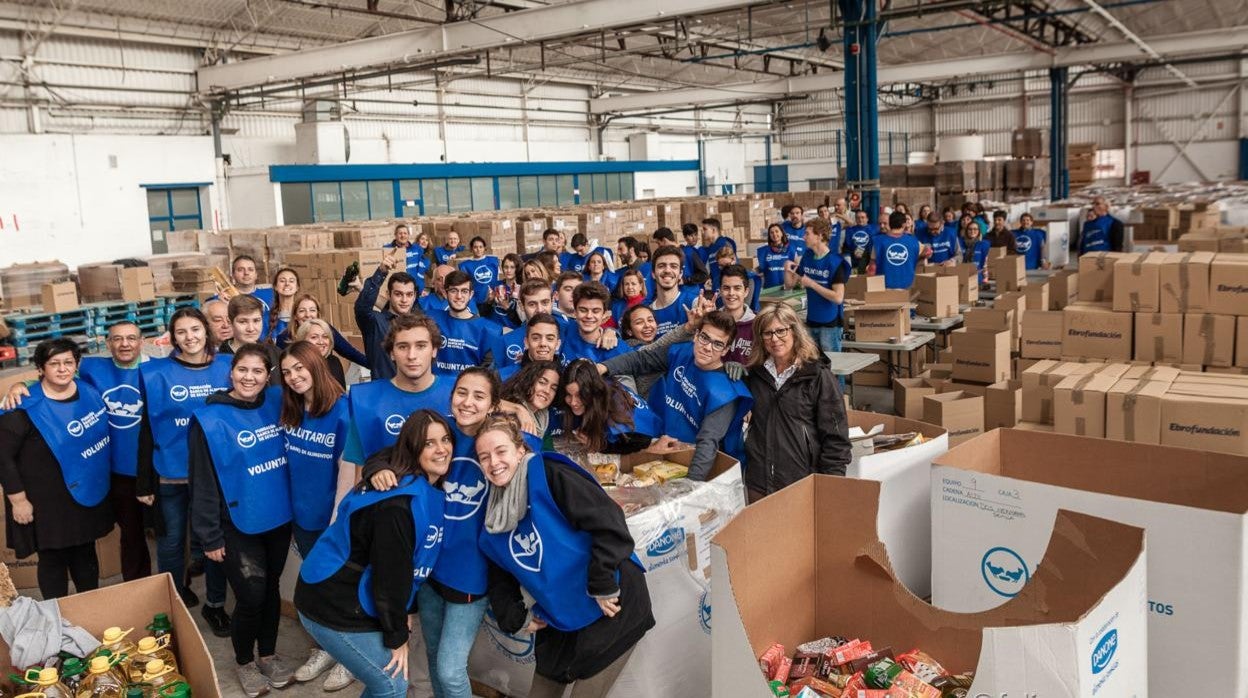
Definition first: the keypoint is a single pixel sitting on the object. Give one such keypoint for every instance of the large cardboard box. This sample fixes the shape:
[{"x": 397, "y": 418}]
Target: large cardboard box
[
  {"x": 1209, "y": 340},
  {"x": 908, "y": 394},
  {"x": 968, "y": 280},
  {"x": 881, "y": 322},
  {"x": 1083, "y": 610},
  {"x": 1079, "y": 404},
  {"x": 1228, "y": 284},
  {"x": 1159, "y": 337},
  {"x": 982, "y": 356},
  {"x": 1193, "y": 507},
  {"x": 1137, "y": 282},
  {"x": 1097, "y": 332},
  {"x": 1096, "y": 276},
  {"x": 938, "y": 295},
  {"x": 957, "y": 412},
  {"x": 1133, "y": 405},
  {"x": 1037, "y": 296},
  {"x": 133, "y": 605},
  {"x": 1241, "y": 341},
  {"x": 1042, "y": 334},
  {"x": 1003, "y": 404},
  {"x": 1185, "y": 282},
  {"x": 1038, "y": 384},
  {"x": 60, "y": 297},
  {"x": 1063, "y": 289},
  {"x": 138, "y": 285},
  {"x": 1010, "y": 272},
  {"x": 1206, "y": 416}
]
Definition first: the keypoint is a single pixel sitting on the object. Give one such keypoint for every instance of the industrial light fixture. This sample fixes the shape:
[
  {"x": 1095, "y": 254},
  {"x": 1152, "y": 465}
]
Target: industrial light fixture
[{"x": 822, "y": 42}]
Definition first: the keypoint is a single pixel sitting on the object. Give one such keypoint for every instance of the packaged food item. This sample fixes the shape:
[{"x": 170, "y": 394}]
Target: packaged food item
[
  {"x": 46, "y": 681},
  {"x": 954, "y": 686},
  {"x": 836, "y": 659},
  {"x": 821, "y": 688},
  {"x": 782, "y": 671},
  {"x": 907, "y": 685},
  {"x": 770, "y": 661},
  {"x": 160, "y": 677},
  {"x": 922, "y": 665},
  {"x": 861, "y": 663},
  {"x": 660, "y": 471},
  {"x": 606, "y": 473},
  {"x": 855, "y": 684},
  {"x": 822, "y": 645},
  {"x": 778, "y": 689},
  {"x": 805, "y": 664},
  {"x": 115, "y": 641},
  {"x": 880, "y": 674}
]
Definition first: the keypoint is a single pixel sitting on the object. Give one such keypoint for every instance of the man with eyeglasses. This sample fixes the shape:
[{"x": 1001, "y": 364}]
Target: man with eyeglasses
[
  {"x": 464, "y": 335},
  {"x": 590, "y": 303},
  {"x": 696, "y": 400}
]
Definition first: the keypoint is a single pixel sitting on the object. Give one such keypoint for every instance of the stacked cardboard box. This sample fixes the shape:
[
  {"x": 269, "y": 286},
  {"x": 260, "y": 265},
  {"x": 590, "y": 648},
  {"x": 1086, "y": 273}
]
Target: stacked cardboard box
[
  {"x": 956, "y": 176},
  {"x": 1027, "y": 143},
  {"x": 21, "y": 285},
  {"x": 1081, "y": 163}
]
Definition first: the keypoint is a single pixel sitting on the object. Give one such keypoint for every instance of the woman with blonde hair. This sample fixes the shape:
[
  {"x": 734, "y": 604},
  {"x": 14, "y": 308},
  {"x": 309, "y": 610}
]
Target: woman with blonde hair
[
  {"x": 799, "y": 425},
  {"x": 320, "y": 335}
]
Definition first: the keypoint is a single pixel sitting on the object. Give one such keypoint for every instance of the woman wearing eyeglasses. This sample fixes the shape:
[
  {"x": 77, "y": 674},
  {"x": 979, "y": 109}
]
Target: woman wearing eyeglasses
[{"x": 799, "y": 424}]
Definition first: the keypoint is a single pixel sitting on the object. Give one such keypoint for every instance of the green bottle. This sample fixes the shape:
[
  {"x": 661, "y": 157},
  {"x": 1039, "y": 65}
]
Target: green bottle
[
  {"x": 160, "y": 625},
  {"x": 178, "y": 690}
]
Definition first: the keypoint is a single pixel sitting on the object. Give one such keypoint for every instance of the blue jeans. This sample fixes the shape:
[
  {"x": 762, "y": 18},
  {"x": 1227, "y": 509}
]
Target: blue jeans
[
  {"x": 828, "y": 338},
  {"x": 304, "y": 540},
  {"x": 363, "y": 654},
  {"x": 175, "y": 505},
  {"x": 449, "y": 630}
]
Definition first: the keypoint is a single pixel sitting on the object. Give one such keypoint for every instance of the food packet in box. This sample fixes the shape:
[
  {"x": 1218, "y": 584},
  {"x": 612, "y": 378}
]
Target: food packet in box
[
  {"x": 770, "y": 661},
  {"x": 821, "y": 688},
  {"x": 805, "y": 664},
  {"x": 922, "y": 665}
]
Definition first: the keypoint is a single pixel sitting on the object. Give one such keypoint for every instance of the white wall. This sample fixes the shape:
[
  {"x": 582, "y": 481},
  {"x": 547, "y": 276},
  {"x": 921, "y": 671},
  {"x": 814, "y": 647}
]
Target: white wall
[
  {"x": 252, "y": 201},
  {"x": 74, "y": 205},
  {"x": 664, "y": 184},
  {"x": 1218, "y": 160}
]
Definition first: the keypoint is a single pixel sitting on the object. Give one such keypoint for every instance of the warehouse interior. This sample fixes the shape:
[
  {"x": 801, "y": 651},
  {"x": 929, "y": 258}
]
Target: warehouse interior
[{"x": 1099, "y": 387}]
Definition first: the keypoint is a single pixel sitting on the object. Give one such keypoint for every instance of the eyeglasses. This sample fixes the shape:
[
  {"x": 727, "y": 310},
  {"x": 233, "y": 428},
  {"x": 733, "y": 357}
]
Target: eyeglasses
[
  {"x": 778, "y": 333},
  {"x": 705, "y": 340}
]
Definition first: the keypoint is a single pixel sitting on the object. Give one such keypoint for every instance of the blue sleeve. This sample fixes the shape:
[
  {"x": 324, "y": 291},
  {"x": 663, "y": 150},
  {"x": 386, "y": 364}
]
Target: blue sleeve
[
  {"x": 368, "y": 298},
  {"x": 347, "y": 350},
  {"x": 353, "y": 452}
]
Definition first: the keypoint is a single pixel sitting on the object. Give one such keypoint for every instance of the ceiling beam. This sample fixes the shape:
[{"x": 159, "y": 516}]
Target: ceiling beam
[
  {"x": 1206, "y": 41},
  {"x": 425, "y": 44}
]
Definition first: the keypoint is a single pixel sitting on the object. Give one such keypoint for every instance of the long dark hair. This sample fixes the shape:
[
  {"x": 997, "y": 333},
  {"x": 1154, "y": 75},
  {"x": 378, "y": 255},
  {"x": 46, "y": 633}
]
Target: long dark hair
[
  {"x": 276, "y": 311},
  {"x": 491, "y": 379},
  {"x": 325, "y": 388},
  {"x": 519, "y": 388},
  {"x": 605, "y": 403},
  {"x": 405, "y": 458},
  {"x": 195, "y": 314}
]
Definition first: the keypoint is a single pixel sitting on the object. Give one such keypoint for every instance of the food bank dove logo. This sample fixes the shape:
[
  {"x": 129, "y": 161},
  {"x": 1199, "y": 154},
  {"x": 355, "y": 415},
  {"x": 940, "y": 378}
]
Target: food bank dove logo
[
  {"x": 525, "y": 545},
  {"x": 897, "y": 254},
  {"x": 1004, "y": 571}
]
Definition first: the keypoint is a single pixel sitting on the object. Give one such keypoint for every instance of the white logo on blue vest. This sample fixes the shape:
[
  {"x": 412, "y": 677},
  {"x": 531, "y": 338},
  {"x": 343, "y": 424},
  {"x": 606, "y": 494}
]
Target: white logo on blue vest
[
  {"x": 394, "y": 424},
  {"x": 897, "y": 254},
  {"x": 463, "y": 499},
  {"x": 1023, "y": 243},
  {"x": 525, "y": 544},
  {"x": 514, "y": 352},
  {"x": 433, "y": 536},
  {"x": 861, "y": 238},
  {"x": 685, "y": 384},
  {"x": 178, "y": 393},
  {"x": 443, "y": 341},
  {"x": 704, "y": 612},
  {"x": 483, "y": 275},
  {"x": 1004, "y": 571},
  {"x": 75, "y": 428},
  {"x": 1105, "y": 651},
  {"x": 246, "y": 439},
  {"x": 125, "y": 406}
]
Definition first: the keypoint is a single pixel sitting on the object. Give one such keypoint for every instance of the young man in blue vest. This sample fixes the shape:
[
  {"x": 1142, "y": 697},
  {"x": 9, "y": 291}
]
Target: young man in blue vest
[
  {"x": 895, "y": 254},
  {"x": 822, "y": 273},
  {"x": 794, "y": 226},
  {"x": 695, "y": 270},
  {"x": 1032, "y": 243},
  {"x": 464, "y": 335},
  {"x": 695, "y": 400},
  {"x": 1101, "y": 232},
  {"x": 942, "y": 238},
  {"x": 591, "y": 304},
  {"x": 375, "y": 324},
  {"x": 541, "y": 342},
  {"x": 670, "y": 300},
  {"x": 859, "y": 239}
]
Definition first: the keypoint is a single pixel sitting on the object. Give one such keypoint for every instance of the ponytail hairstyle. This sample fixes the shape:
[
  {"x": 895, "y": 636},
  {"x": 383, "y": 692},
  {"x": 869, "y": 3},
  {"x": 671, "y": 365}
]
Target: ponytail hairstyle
[{"x": 325, "y": 389}]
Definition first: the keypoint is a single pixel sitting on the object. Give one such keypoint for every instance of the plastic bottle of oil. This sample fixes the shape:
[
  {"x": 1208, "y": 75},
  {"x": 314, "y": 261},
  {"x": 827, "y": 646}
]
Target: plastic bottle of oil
[
  {"x": 150, "y": 648},
  {"x": 158, "y": 676},
  {"x": 102, "y": 681},
  {"x": 48, "y": 682},
  {"x": 73, "y": 671},
  {"x": 176, "y": 690},
  {"x": 115, "y": 641}
]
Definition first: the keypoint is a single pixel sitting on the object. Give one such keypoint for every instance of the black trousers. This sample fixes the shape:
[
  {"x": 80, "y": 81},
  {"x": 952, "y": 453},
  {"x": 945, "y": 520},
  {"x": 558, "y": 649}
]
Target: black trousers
[
  {"x": 57, "y": 565},
  {"x": 253, "y": 567},
  {"x": 136, "y": 559}
]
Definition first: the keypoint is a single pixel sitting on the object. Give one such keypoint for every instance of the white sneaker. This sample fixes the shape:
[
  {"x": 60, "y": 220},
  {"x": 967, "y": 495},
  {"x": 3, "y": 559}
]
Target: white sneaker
[
  {"x": 338, "y": 679},
  {"x": 319, "y": 662}
]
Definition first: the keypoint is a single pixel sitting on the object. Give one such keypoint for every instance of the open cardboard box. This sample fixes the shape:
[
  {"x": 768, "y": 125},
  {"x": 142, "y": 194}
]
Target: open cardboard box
[
  {"x": 1005, "y": 489},
  {"x": 133, "y": 605},
  {"x": 807, "y": 563}
]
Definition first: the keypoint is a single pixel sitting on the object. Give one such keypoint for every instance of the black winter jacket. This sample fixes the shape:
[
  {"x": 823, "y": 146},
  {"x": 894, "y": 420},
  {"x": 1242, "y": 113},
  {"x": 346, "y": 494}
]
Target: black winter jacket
[{"x": 797, "y": 430}]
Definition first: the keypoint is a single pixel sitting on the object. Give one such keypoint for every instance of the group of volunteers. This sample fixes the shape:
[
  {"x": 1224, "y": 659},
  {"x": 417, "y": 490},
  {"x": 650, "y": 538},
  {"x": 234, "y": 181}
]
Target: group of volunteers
[{"x": 436, "y": 487}]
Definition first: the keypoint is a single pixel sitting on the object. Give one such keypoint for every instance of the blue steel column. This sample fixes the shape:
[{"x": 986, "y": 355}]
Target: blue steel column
[
  {"x": 862, "y": 125},
  {"x": 1059, "y": 177}
]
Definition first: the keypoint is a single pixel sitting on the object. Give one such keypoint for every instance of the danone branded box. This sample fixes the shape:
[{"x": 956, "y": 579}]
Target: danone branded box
[
  {"x": 1209, "y": 340},
  {"x": 1042, "y": 334},
  {"x": 1097, "y": 332},
  {"x": 807, "y": 563},
  {"x": 1133, "y": 405},
  {"x": 1228, "y": 284},
  {"x": 995, "y": 501},
  {"x": 1159, "y": 337},
  {"x": 1137, "y": 282},
  {"x": 1096, "y": 276}
]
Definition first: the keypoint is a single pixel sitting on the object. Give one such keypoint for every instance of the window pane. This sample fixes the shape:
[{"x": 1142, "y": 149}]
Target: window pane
[
  {"x": 186, "y": 223},
  {"x": 528, "y": 192},
  {"x": 508, "y": 192},
  {"x": 185, "y": 202},
  {"x": 600, "y": 187},
  {"x": 157, "y": 203},
  {"x": 613, "y": 187},
  {"x": 546, "y": 190},
  {"x": 161, "y": 224},
  {"x": 460, "y": 191},
  {"x": 296, "y": 203},
  {"x": 325, "y": 201},
  {"x": 483, "y": 193},
  {"x": 626, "y": 185},
  {"x": 409, "y": 190},
  {"x": 435, "y": 196},
  {"x": 382, "y": 195},
  {"x": 355, "y": 201},
  {"x": 565, "y": 190}
]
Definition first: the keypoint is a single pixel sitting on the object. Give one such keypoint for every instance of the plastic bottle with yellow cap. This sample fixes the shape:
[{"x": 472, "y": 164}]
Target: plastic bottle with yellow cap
[
  {"x": 157, "y": 676},
  {"x": 150, "y": 648},
  {"x": 114, "y": 640},
  {"x": 102, "y": 681},
  {"x": 47, "y": 681}
]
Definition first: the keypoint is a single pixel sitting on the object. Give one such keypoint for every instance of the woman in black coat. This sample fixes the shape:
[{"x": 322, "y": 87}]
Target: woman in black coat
[{"x": 798, "y": 426}]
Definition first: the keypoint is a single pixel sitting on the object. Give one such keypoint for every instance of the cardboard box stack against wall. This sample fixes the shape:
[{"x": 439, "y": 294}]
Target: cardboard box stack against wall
[
  {"x": 997, "y": 499},
  {"x": 807, "y": 563}
]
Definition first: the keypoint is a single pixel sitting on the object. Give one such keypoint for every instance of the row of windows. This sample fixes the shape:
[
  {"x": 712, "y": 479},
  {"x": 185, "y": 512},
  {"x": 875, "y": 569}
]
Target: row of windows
[
  {"x": 174, "y": 209},
  {"x": 315, "y": 202}
]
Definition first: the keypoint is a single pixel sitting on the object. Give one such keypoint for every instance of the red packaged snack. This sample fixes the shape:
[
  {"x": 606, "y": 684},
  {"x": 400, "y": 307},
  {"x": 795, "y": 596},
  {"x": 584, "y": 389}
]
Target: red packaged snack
[
  {"x": 922, "y": 665},
  {"x": 782, "y": 670},
  {"x": 805, "y": 664},
  {"x": 823, "y": 688},
  {"x": 861, "y": 663},
  {"x": 907, "y": 685},
  {"x": 770, "y": 660},
  {"x": 856, "y": 683}
]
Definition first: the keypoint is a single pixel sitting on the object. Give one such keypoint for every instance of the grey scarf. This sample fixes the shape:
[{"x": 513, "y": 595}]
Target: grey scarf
[{"x": 507, "y": 505}]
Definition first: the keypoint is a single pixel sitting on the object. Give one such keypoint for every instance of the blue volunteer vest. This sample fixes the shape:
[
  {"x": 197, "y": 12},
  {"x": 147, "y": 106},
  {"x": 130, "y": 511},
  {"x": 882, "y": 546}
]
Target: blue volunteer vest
[
  {"x": 172, "y": 393},
  {"x": 572, "y": 347},
  {"x": 484, "y": 273},
  {"x": 1095, "y": 235},
  {"x": 571, "y": 261},
  {"x": 944, "y": 246},
  {"x": 441, "y": 254},
  {"x": 920, "y": 232},
  {"x": 797, "y": 236},
  {"x": 312, "y": 452},
  {"x": 547, "y": 555},
  {"x": 686, "y": 394},
  {"x": 771, "y": 263},
  {"x": 1030, "y": 244},
  {"x": 673, "y": 316},
  {"x": 859, "y": 236},
  {"x": 645, "y": 421},
  {"x": 463, "y": 343},
  {"x": 77, "y": 433},
  {"x": 249, "y": 456},
  {"x": 979, "y": 255},
  {"x": 507, "y": 348},
  {"x": 378, "y": 410},
  {"x": 120, "y": 389},
  {"x": 333, "y": 549},
  {"x": 896, "y": 260},
  {"x": 823, "y": 270}
]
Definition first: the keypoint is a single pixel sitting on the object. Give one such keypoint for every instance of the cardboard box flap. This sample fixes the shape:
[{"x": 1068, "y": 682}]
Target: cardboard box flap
[
  {"x": 1208, "y": 480},
  {"x": 795, "y": 592}
]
